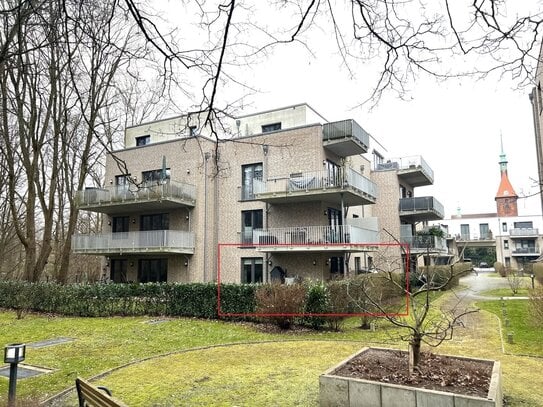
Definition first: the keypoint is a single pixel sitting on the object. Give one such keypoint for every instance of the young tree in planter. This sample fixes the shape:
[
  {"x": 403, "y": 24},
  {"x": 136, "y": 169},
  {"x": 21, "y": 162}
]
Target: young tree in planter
[{"x": 425, "y": 323}]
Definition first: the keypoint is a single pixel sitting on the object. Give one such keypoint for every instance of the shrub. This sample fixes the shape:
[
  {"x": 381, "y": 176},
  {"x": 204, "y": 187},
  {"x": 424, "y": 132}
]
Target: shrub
[
  {"x": 499, "y": 268},
  {"x": 338, "y": 303},
  {"x": 285, "y": 300},
  {"x": 316, "y": 303},
  {"x": 536, "y": 305},
  {"x": 537, "y": 269}
]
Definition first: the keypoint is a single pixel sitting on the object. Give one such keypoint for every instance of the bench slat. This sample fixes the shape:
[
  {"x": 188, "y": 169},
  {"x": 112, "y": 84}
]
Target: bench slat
[{"x": 89, "y": 395}]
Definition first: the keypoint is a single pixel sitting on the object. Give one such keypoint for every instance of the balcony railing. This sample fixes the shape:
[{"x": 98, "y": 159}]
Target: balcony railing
[
  {"x": 145, "y": 241},
  {"x": 316, "y": 180},
  {"x": 314, "y": 235},
  {"x": 345, "y": 129},
  {"x": 406, "y": 163},
  {"x": 426, "y": 242},
  {"x": 526, "y": 251},
  {"x": 422, "y": 204},
  {"x": 524, "y": 232},
  {"x": 148, "y": 191}
]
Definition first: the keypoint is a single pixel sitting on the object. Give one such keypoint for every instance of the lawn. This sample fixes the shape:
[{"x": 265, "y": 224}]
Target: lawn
[{"x": 199, "y": 362}]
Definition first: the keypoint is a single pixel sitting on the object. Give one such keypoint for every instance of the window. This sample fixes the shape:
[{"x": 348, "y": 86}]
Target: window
[
  {"x": 155, "y": 176},
  {"x": 153, "y": 270},
  {"x": 250, "y": 173},
  {"x": 271, "y": 127},
  {"x": 122, "y": 183},
  {"x": 377, "y": 159},
  {"x": 357, "y": 265},
  {"x": 120, "y": 224},
  {"x": 333, "y": 174},
  {"x": 143, "y": 140},
  {"x": 506, "y": 244},
  {"x": 251, "y": 270},
  {"x": 508, "y": 262},
  {"x": 483, "y": 231},
  {"x": 504, "y": 226},
  {"x": 250, "y": 220},
  {"x": 193, "y": 131},
  {"x": 464, "y": 232},
  {"x": 159, "y": 221},
  {"x": 118, "y": 270}
]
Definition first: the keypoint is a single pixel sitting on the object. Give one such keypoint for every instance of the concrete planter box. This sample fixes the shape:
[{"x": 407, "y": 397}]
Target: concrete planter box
[{"x": 341, "y": 391}]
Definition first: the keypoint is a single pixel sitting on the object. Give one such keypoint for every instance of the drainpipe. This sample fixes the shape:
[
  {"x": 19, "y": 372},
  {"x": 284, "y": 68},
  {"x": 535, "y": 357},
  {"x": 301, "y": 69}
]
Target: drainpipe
[{"x": 206, "y": 157}]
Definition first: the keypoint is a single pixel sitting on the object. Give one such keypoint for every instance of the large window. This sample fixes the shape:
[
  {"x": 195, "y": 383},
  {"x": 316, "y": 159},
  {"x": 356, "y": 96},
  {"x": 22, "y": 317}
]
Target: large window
[
  {"x": 333, "y": 174},
  {"x": 118, "y": 270},
  {"x": 122, "y": 183},
  {"x": 524, "y": 225},
  {"x": 506, "y": 244},
  {"x": 464, "y": 232},
  {"x": 153, "y": 270},
  {"x": 484, "y": 231},
  {"x": 252, "y": 270},
  {"x": 250, "y": 220},
  {"x": 120, "y": 224},
  {"x": 250, "y": 173},
  {"x": 157, "y": 221}
]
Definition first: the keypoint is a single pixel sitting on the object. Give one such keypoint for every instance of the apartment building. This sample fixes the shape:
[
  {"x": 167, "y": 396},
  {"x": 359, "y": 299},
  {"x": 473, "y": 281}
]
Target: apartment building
[{"x": 283, "y": 194}]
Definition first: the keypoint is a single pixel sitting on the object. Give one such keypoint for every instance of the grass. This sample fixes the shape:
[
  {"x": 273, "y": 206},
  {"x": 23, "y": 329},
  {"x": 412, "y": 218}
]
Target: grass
[
  {"x": 283, "y": 372},
  {"x": 527, "y": 335}
]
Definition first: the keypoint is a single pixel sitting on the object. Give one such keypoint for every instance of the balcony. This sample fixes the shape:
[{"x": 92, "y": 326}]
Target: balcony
[
  {"x": 524, "y": 233},
  {"x": 425, "y": 244},
  {"x": 350, "y": 186},
  {"x": 423, "y": 208},
  {"x": 345, "y": 138},
  {"x": 146, "y": 242},
  {"x": 121, "y": 199},
  {"x": 315, "y": 238},
  {"x": 526, "y": 251},
  {"x": 413, "y": 170}
]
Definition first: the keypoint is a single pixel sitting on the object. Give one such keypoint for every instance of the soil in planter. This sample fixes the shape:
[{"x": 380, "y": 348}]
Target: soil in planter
[{"x": 470, "y": 377}]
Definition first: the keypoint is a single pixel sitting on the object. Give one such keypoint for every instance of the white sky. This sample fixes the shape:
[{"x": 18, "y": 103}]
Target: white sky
[{"x": 455, "y": 125}]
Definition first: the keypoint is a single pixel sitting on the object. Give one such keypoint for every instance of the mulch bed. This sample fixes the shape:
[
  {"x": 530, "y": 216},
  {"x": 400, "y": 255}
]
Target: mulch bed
[{"x": 442, "y": 373}]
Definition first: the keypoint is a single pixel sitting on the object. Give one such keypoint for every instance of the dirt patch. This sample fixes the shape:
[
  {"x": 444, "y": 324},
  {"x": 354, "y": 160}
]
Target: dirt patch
[{"x": 442, "y": 373}]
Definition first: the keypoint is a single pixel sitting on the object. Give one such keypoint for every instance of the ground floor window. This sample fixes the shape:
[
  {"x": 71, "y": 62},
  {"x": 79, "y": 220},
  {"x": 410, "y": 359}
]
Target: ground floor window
[
  {"x": 252, "y": 270},
  {"x": 337, "y": 265},
  {"x": 153, "y": 270},
  {"x": 118, "y": 270},
  {"x": 507, "y": 262}
]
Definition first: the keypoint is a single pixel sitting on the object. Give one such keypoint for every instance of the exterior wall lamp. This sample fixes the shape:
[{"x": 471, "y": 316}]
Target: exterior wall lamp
[
  {"x": 314, "y": 262},
  {"x": 13, "y": 354},
  {"x": 269, "y": 263}
]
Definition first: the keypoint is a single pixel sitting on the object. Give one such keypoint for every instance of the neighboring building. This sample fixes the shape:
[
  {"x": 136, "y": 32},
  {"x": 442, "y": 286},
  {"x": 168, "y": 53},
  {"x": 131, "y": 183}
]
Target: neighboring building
[
  {"x": 288, "y": 195},
  {"x": 516, "y": 238}
]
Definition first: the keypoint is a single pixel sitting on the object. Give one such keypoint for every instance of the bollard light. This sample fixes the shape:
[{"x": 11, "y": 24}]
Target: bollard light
[{"x": 13, "y": 354}]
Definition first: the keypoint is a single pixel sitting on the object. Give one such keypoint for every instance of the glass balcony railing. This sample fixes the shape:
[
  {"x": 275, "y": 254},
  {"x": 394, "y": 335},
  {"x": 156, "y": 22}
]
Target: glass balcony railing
[
  {"x": 422, "y": 204},
  {"x": 147, "y": 191},
  {"x": 524, "y": 232},
  {"x": 427, "y": 242},
  {"x": 144, "y": 241},
  {"x": 314, "y": 235}
]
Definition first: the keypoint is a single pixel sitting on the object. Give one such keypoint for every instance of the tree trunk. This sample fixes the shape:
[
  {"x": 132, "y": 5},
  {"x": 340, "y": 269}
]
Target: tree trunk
[{"x": 414, "y": 352}]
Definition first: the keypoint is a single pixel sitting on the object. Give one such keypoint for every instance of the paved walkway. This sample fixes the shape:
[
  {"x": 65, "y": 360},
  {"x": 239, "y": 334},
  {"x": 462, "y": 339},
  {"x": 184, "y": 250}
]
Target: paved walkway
[{"x": 478, "y": 283}]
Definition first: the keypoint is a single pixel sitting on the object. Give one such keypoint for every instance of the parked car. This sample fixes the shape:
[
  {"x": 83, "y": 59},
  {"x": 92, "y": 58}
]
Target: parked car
[{"x": 483, "y": 265}]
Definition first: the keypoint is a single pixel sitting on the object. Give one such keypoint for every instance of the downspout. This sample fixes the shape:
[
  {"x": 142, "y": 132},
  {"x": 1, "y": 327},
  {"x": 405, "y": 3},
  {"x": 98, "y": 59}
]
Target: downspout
[{"x": 206, "y": 157}]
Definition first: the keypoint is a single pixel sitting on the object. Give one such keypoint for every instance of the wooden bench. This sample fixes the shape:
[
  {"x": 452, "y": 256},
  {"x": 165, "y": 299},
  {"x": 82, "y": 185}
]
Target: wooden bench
[{"x": 95, "y": 396}]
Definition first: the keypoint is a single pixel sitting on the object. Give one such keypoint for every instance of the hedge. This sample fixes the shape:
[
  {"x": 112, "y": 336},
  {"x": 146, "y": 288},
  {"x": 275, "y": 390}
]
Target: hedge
[{"x": 100, "y": 300}]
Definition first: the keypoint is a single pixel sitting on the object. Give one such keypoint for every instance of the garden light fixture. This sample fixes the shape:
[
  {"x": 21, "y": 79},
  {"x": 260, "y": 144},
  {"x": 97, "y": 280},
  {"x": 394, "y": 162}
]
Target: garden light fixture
[{"x": 13, "y": 354}]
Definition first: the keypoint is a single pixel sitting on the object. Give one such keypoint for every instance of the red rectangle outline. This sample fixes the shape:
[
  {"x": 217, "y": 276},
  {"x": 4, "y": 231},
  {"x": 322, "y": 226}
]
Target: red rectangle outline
[{"x": 301, "y": 314}]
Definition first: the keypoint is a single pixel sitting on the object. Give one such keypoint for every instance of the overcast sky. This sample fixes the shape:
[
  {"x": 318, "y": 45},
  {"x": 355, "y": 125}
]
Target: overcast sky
[{"x": 455, "y": 125}]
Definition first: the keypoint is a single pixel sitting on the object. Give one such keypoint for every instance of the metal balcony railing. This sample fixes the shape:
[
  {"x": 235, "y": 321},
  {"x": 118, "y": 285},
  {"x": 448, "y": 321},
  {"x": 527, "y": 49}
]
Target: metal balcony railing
[
  {"x": 316, "y": 180},
  {"x": 422, "y": 204},
  {"x": 135, "y": 193},
  {"x": 524, "y": 232},
  {"x": 159, "y": 240},
  {"x": 314, "y": 235},
  {"x": 405, "y": 163},
  {"x": 345, "y": 129}
]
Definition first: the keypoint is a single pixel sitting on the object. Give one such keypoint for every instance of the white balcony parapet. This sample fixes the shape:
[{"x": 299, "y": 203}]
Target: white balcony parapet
[
  {"x": 316, "y": 180},
  {"x": 153, "y": 240},
  {"x": 314, "y": 235},
  {"x": 145, "y": 192}
]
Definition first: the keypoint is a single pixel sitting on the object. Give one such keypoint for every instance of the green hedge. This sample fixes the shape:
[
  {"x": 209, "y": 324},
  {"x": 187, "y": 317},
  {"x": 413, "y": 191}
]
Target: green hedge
[{"x": 94, "y": 300}]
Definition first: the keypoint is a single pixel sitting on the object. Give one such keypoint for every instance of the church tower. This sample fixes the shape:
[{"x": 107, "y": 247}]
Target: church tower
[{"x": 506, "y": 198}]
